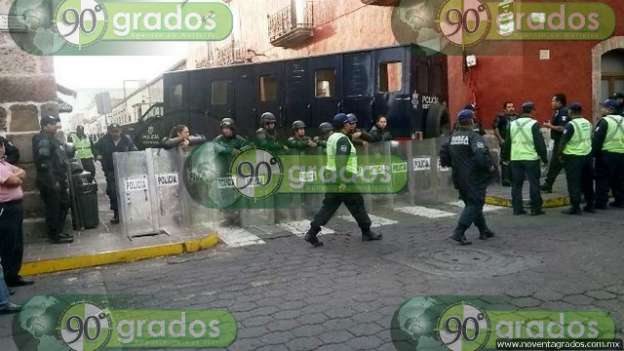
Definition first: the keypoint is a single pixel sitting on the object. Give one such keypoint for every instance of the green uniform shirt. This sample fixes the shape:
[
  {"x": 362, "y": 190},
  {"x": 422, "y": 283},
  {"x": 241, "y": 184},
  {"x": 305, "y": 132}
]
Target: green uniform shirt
[
  {"x": 580, "y": 143},
  {"x": 83, "y": 147},
  {"x": 522, "y": 142},
  {"x": 331, "y": 154},
  {"x": 614, "y": 141}
]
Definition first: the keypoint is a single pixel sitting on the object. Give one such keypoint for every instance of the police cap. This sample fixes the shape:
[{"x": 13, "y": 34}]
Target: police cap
[
  {"x": 114, "y": 126},
  {"x": 45, "y": 120},
  {"x": 576, "y": 107},
  {"x": 528, "y": 106},
  {"x": 465, "y": 115},
  {"x": 340, "y": 119},
  {"x": 609, "y": 104}
]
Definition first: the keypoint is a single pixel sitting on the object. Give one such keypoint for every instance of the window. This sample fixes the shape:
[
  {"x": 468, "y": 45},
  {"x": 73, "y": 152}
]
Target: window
[
  {"x": 220, "y": 90},
  {"x": 390, "y": 77},
  {"x": 325, "y": 83},
  {"x": 268, "y": 89},
  {"x": 176, "y": 95}
]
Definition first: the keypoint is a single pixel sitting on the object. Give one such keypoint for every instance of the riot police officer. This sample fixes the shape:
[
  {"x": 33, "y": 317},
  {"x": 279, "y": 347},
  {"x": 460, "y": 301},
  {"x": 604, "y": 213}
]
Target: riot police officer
[
  {"x": 577, "y": 160},
  {"x": 299, "y": 142},
  {"x": 114, "y": 141},
  {"x": 524, "y": 147},
  {"x": 266, "y": 136},
  {"x": 342, "y": 163},
  {"x": 326, "y": 130},
  {"x": 608, "y": 148},
  {"x": 51, "y": 162},
  {"x": 84, "y": 150},
  {"x": 227, "y": 146},
  {"x": 473, "y": 169}
]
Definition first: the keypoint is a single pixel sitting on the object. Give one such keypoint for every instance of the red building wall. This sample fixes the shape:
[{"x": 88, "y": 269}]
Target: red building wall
[{"x": 523, "y": 77}]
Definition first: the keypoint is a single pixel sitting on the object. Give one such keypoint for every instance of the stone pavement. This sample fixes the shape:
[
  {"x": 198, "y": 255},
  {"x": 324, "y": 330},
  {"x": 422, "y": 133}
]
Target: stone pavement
[{"x": 286, "y": 295}]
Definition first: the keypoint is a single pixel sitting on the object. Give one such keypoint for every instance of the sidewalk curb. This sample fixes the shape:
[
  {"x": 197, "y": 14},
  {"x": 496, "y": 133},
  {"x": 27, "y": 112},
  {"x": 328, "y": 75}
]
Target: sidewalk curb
[
  {"x": 121, "y": 256},
  {"x": 554, "y": 202}
]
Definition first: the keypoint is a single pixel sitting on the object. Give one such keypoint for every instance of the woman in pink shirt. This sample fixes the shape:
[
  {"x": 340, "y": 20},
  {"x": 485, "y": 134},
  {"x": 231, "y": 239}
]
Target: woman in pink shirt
[{"x": 11, "y": 220}]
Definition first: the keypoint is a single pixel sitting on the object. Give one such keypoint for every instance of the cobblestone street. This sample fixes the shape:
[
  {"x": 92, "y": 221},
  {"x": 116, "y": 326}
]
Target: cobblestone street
[{"x": 286, "y": 295}]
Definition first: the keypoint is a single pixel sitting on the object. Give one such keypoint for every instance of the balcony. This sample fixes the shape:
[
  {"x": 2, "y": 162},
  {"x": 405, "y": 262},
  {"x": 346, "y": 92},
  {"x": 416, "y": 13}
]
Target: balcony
[
  {"x": 381, "y": 2},
  {"x": 229, "y": 54},
  {"x": 292, "y": 25}
]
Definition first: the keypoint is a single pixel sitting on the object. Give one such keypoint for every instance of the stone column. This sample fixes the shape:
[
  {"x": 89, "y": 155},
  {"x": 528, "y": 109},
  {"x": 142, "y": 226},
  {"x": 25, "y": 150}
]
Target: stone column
[{"x": 27, "y": 91}]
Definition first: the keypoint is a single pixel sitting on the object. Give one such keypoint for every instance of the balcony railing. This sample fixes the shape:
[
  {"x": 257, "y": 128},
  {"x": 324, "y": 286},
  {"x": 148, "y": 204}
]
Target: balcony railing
[
  {"x": 381, "y": 2},
  {"x": 229, "y": 54},
  {"x": 292, "y": 25}
]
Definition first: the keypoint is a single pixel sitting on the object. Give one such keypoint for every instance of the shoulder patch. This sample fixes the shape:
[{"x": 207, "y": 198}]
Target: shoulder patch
[
  {"x": 343, "y": 148},
  {"x": 480, "y": 145}
]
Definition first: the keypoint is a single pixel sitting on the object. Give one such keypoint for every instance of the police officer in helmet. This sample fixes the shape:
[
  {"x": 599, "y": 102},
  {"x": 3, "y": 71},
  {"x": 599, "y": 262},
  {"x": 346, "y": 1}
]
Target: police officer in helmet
[
  {"x": 342, "y": 163},
  {"x": 473, "y": 170},
  {"x": 227, "y": 146},
  {"x": 608, "y": 148},
  {"x": 326, "y": 130},
  {"x": 575, "y": 152},
  {"x": 299, "y": 141},
  {"x": 266, "y": 136},
  {"x": 51, "y": 162}
]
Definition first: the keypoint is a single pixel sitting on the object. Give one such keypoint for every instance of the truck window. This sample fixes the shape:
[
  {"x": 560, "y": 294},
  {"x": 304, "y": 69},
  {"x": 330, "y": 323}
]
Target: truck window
[
  {"x": 390, "y": 77},
  {"x": 268, "y": 89},
  {"x": 325, "y": 83},
  {"x": 220, "y": 90}
]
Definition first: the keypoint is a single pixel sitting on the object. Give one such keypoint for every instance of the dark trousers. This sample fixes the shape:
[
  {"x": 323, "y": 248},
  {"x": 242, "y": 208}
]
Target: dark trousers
[
  {"x": 11, "y": 238},
  {"x": 354, "y": 203},
  {"x": 531, "y": 171},
  {"x": 555, "y": 166},
  {"x": 88, "y": 165},
  {"x": 580, "y": 176},
  {"x": 56, "y": 201},
  {"x": 473, "y": 211},
  {"x": 111, "y": 190},
  {"x": 505, "y": 169},
  {"x": 609, "y": 175}
]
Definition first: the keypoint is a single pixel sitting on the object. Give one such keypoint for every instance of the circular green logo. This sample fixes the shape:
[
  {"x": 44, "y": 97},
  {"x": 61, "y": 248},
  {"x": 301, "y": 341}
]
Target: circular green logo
[
  {"x": 464, "y": 22},
  {"x": 81, "y": 22},
  {"x": 85, "y": 327},
  {"x": 256, "y": 173},
  {"x": 463, "y": 327}
]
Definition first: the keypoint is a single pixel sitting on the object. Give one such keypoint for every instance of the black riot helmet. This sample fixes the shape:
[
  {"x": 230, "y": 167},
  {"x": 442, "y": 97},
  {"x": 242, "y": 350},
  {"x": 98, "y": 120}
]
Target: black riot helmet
[
  {"x": 227, "y": 123},
  {"x": 298, "y": 124},
  {"x": 267, "y": 117},
  {"x": 326, "y": 127}
]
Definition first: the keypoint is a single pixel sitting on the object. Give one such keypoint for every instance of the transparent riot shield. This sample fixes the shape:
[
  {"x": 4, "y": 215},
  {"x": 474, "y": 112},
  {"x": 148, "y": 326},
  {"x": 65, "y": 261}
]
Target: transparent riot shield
[
  {"x": 136, "y": 193},
  {"x": 167, "y": 165}
]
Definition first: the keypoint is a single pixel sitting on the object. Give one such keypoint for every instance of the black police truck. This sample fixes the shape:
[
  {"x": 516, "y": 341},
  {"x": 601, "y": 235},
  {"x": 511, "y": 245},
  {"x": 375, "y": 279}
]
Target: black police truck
[{"x": 408, "y": 84}]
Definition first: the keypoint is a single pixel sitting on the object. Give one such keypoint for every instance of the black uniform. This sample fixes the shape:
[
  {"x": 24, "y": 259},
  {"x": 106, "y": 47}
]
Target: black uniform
[
  {"x": 105, "y": 147},
  {"x": 579, "y": 173},
  {"x": 299, "y": 145},
  {"x": 353, "y": 201},
  {"x": 530, "y": 170},
  {"x": 379, "y": 135},
  {"x": 51, "y": 162},
  {"x": 501, "y": 123},
  {"x": 473, "y": 169},
  {"x": 560, "y": 118},
  {"x": 609, "y": 169}
]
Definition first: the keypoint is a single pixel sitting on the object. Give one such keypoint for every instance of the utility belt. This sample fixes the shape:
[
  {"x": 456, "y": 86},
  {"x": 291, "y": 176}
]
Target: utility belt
[{"x": 11, "y": 203}]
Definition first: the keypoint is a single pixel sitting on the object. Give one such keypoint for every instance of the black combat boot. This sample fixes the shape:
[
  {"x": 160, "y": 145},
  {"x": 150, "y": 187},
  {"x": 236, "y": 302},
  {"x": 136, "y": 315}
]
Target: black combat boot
[
  {"x": 574, "y": 210},
  {"x": 460, "y": 237},
  {"x": 369, "y": 235},
  {"x": 486, "y": 234},
  {"x": 311, "y": 237},
  {"x": 115, "y": 219},
  {"x": 538, "y": 212}
]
